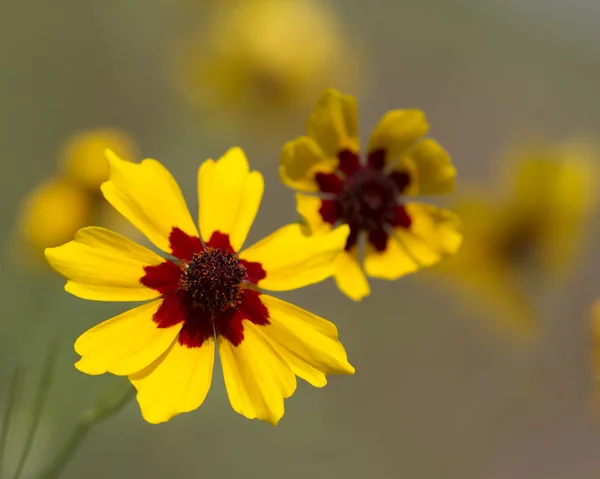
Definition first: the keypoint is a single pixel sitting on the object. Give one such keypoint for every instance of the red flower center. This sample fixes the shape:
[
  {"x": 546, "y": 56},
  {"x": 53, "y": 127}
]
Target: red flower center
[
  {"x": 207, "y": 291},
  {"x": 213, "y": 280},
  {"x": 367, "y": 198}
]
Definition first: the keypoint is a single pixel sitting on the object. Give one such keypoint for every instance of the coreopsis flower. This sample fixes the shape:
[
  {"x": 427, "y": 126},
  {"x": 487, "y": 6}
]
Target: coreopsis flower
[
  {"x": 335, "y": 186},
  {"x": 54, "y": 210},
  {"x": 83, "y": 159},
  {"x": 207, "y": 294},
  {"x": 264, "y": 57},
  {"x": 524, "y": 241}
]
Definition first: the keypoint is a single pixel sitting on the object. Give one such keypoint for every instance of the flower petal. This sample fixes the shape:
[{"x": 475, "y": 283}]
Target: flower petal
[
  {"x": 333, "y": 123},
  {"x": 433, "y": 234},
  {"x": 126, "y": 343},
  {"x": 229, "y": 196},
  {"x": 175, "y": 383},
  {"x": 349, "y": 276},
  {"x": 148, "y": 196},
  {"x": 301, "y": 160},
  {"x": 102, "y": 265},
  {"x": 307, "y": 342},
  {"x": 293, "y": 259},
  {"x": 312, "y": 209},
  {"x": 256, "y": 377},
  {"x": 429, "y": 168},
  {"x": 395, "y": 132}
]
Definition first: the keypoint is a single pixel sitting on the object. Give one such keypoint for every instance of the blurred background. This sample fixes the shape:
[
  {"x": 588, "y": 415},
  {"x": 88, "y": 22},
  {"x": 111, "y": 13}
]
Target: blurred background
[{"x": 440, "y": 391}]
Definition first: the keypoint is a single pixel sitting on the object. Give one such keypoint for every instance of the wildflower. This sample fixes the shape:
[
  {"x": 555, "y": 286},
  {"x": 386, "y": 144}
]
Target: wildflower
[
  {"x": 74, "y": 192},
  {"x": 369, "y": 196},
  {"x": 528, "y": 238},
  {"x": 265, "y": 56},
  {"x": 208, "y": 295},
  {"x": 83, "y": 161}
]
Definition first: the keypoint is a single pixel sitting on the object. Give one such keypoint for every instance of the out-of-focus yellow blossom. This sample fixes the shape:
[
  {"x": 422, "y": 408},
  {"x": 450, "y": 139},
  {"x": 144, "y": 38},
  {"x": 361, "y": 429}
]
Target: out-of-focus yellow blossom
[
  {"x": 62, "y": 204},
  {"x": 83, "y": 159},
  {"x": 50, "y": 215},
  {"x": 516, "y": 245},
  {"x": 266, "y": 58}
]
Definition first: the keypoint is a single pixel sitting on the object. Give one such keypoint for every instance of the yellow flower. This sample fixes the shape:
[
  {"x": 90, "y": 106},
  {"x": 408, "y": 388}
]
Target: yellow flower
[
  {"x": 49, "y": 216},
  {"x": 401, "y": 237},
  {"x": 209, "y": 295},
  {"x": 83, "y": 160},
  {"x": 266, "y": 57},
  {"x": 530, "y": 236}
]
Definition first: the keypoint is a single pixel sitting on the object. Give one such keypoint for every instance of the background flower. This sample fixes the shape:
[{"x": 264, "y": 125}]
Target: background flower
[{"x": 521, "y": 243}]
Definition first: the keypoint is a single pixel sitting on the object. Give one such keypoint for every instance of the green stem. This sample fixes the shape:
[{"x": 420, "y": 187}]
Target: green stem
[
  {"x": 41, "y": 399},
  {"x": 15, "y": 386},
  {"x": 109, "y": 404}
]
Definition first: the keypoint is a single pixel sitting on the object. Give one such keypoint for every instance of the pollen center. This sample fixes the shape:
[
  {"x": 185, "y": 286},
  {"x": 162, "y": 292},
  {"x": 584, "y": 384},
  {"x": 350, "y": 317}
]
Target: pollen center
[
  {"x": 213, "y": 280},
  {"x": 368, "y": 200}
]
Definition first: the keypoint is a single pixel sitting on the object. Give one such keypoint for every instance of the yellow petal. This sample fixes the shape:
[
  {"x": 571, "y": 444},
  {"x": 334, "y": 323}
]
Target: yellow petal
[
  {"x": 333, "y": 123},
  {"x": 83, "y": 159},
  {"x": 396, "y": 131},
  {"x": 308, "y": 207},
  {"x": 229, "y": 196},
  {"x": 148, "y": 196},
  {"x": 175, "y": 383},
  {"x": 307, "y": 342},
  {"x": 256, "y": 377},
  {"x": 429, "y": 167},
  {"x": 293, "y": 259},
  {"x": 433, "y": 235},
  {"x": 392, "y": 263},
  {"x": 126, "y": 343},
  {"x": 349, "y": 276},
  {"x": 301, "y": 160},
  {"x": 102, "y": 265}
]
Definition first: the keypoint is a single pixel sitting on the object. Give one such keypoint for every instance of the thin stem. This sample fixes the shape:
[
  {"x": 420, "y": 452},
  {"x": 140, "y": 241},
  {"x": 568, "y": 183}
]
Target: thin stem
[
  {"x": 109, "y": 404},
  {"x": 15, "y": 386},
  {"x": 41, "y": 399}
]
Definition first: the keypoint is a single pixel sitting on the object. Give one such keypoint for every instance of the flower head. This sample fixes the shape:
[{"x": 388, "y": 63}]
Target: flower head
[
  {"x": 83, "y": 160},
  {"x": 208, "y": 294},
  {"x": 529, "y": 236},
  {"x": 74, "y": 192},
  {"x": 264, "y": 57},
  {"x": 336, "y": 186}
]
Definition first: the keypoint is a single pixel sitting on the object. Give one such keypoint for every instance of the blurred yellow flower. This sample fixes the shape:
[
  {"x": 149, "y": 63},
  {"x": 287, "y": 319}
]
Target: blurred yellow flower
[
  {"x": 50, "y": 215},
  {"x": 54, "y": 210},
  {"x": 335, "y": 187},
  {"x": 264, "y": 59},
  {"x": 83, "y": 159},
  {"x": 207, "y": 296},
  {"x": 528, "y": 237}
]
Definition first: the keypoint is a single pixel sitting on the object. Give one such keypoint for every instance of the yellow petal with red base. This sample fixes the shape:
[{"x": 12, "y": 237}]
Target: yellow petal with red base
[
  {"x": 397, "y": 131},
  {"x": 307, "y": 342},
  {"x": 175, "y": 383},
  {"x": 308, "y": 207},
  {"x": 102, "y": 265},
  {"x": 301, "y": 160},
  {"x": 429, "y": 167},
  {"x": 349, "y": 276},
  {"x": 434, "y": 234},
  {"x": 229, "y": 196},
  {"x": 257, "y": 378},
  {"x": 148, "y": 196},
  {"x": 333, "y": 124},
  {"x": 126, "y": 343},
  {"x": 292, "y": 259}
]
